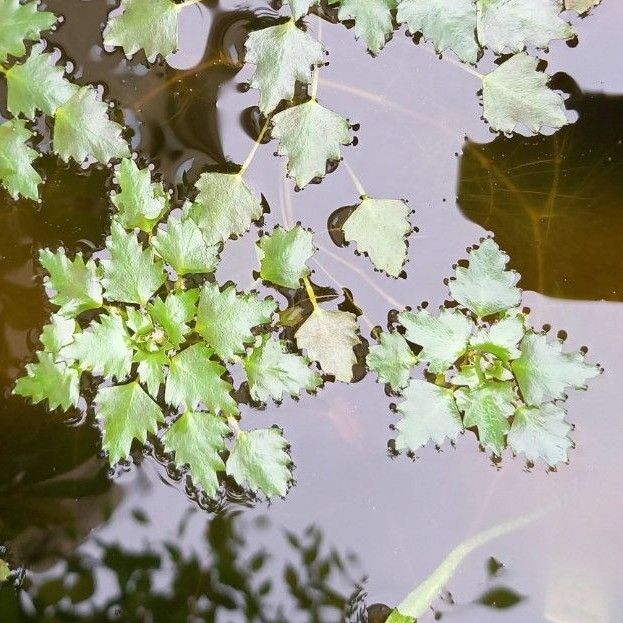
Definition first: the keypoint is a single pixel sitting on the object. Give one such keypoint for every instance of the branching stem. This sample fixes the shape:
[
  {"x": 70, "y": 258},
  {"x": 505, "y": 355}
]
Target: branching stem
[
  {"x": 316, "y": 71},
  {"x": 187, "y": 3},
  {"x": 356, "y": 181}
]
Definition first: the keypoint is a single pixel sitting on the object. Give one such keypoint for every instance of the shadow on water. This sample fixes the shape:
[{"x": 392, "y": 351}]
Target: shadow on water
[{"x": 555, "y": 203}]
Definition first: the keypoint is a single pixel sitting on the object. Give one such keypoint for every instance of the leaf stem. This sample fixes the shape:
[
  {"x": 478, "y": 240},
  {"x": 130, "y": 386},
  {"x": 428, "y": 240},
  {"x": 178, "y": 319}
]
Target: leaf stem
[
  {"x": 316, "y": 70},
  {"x": 310, "y": 293},
  {"x": 233, "y": 425},
  {"x": 258, "y": 141},
  {"x": 187, "y": 3},
  {"x": 356, "y": 181}
]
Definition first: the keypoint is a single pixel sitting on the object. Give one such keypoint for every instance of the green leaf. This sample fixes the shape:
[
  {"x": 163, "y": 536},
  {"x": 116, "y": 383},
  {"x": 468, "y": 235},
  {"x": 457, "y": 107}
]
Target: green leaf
[
  {"x": 184, "y": 248},
  {"x": 104, "y": 348},
  {"x": 125, "y": 413},
  {"x": 380, "y": 227},
  {"x": 58, "y": 334},
  {"x": 310, "y": 135},
  {"x": 516, "y": 93},
  {"x": 76, "y": 283},
  {"x": 5, "y": 571},
  {"x": 581, "y": 6},
  {"x": 488, "y": 408},
  {"x": 486, "y": 287},
  {"x": 283, "y": 255},
  {"x": 16, "y": 171},
  {"x": 273, "y": 372},
  {"x": 150, "y": 369},
  {"x": 197, "y": 439},
  {"x": 151, "y": 25},
  {"x": 226, "y": 319},
  {"x": 283, "y": 55},
  {"x": 194, "y": 378},
  {"x": 449, "y": 25},
  {"x": 373, "y": 20},
  {"x": 300, "y": 8},
  {"x": 132, "y": 274},
  {"x": 510, "y": 25},
  {"x": 173, "y": 314},
  {"x": 224, "y": 207},
  {"x": 83, "y": 130},
  {"x": 260, "y": 462},
  {"x": 443, "y": 339},
  {"x": 57, "y": 383},
  {"x": 501, "y": 338},
  {"x": 543, "y": 371},
  {"x": 37, "y": 84},
  {"x": 20, "y": 23},
  {"x": 428, "y": 413},
  {"x": 392, "y": 359},
  {"x": 140, "y": 203},
  {"x": 541, "y": 433},
  {"x": 329, "y": 338}
]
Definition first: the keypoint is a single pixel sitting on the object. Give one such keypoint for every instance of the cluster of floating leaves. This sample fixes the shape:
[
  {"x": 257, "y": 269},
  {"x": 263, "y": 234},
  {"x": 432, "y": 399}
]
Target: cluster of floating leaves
[
  {"x": 152, "y": 326},
  {"x": 487, "y": 369}
]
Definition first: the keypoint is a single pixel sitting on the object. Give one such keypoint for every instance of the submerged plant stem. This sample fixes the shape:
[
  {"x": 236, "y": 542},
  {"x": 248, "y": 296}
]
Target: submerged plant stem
[
  {"x": 187, "y": 3},
  {"x": 356, "y": 181},
  {"x": 316, "y": 71}
]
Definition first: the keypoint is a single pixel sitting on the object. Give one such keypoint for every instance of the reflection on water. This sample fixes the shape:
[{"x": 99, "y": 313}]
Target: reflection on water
[
  {"x": 555, "y": 202},
  {"x": 57, "y": 505}
]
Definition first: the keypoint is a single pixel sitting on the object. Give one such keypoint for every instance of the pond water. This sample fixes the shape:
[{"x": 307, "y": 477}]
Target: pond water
[{"x": 359, "y": 526}]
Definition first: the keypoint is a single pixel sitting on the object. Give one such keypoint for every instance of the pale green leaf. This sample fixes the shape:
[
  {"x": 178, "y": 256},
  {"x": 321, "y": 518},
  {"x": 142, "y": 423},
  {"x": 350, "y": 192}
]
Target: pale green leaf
[
  {"x": 132, "y": 274},
  {"x": 283, "y": 55},
  {"x": 174, "y": 313},
  {"x": 273, "y": 372},
  {"x": 151, "y": 25},
  {"x": 392, "y": 359},
  {"x": 300, "y": 8},
  {"x": 448, "y": 24},
  {"x": 194, "y": 378},
  {"x": 373, "y": 20},
  {"x": 16, "y": 171},
  {"x": 20, "y": 23},
  {"x": 329, "y": 338},
  {"x": 310, "y": 136},
  {"x": 103, "y": 348},
  {"x": 226, "y": 319},
  {"x": 544, "y": 372},
  {"x": 260, "y": 462},
  {"x": 429, "y": 412},
  {"x": 501, "y": 338},
  {"x": 76, "y": 283},
  {"x": 5, "y": 571},
  {"x": 541, "y": 433},
  {"x": 57, "y": 383},
  {"x": 150, "y": 369},
  {"x": 510, "y": 25},
  {"x": 467, "y": 376},
  {"x": 488, "y": 408},
  {"x": 183, "y": 247},
  {"x": 125, "y": 413},
  {"x": 283, "y": 255},
  {"x": 485, "y": 286},
  {"x": 581, "y": 6},
  {"x": 224, "y": 207},
  {"x": 380, "y": 228},
  {"x": 443, "y": 339},
  {"x": 37, "y": 84},
  {"x": 59, "y": 333},
  {"x": 141, "y": 202},
  {"x": 516, "y": 93},
  {"x": 83, "y": 130},
  {"x": 197, "y": 439}
]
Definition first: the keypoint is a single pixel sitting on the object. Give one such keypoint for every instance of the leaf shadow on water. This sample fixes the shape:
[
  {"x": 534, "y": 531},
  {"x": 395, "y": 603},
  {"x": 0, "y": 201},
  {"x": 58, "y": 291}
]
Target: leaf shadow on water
[{"x": 554, "y": 202}]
